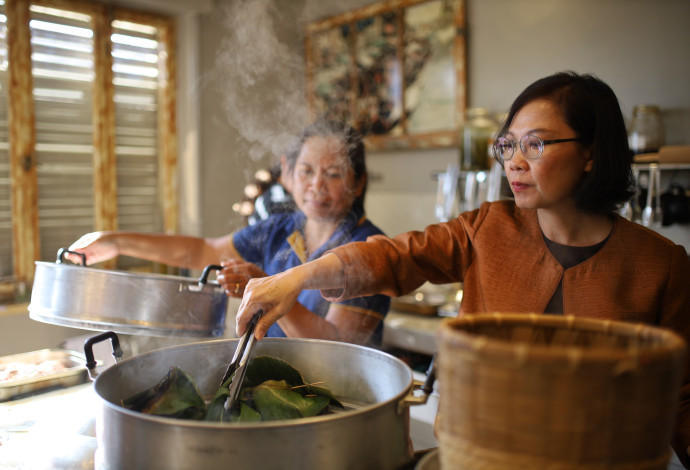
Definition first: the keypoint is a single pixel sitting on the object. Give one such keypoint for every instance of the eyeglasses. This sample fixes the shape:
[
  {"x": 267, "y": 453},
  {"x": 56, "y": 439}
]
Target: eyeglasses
[{"x": 532, "y": 147}]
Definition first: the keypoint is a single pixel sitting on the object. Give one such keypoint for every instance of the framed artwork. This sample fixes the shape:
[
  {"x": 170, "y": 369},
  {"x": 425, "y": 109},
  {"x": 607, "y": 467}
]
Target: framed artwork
[{"x": 395, "y": 70}]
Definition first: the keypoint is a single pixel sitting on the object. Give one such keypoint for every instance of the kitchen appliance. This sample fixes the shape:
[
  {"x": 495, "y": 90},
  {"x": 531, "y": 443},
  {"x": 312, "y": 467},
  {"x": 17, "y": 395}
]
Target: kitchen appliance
[
  {"x": 646, "y": 133},
  {"x": 133, "y": 303},
  {"x": 373, "y": 433},
  {"x": 478, "y": 134},
  {"x": 446, "y": 198},
  {"x": 651, "y": 214},
  {"x": 675, "y": 205}
]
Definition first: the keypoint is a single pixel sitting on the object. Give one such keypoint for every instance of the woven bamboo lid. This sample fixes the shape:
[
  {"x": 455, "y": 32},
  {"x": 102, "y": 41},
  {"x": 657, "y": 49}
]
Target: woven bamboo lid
[{"x": 544, "y": 391}]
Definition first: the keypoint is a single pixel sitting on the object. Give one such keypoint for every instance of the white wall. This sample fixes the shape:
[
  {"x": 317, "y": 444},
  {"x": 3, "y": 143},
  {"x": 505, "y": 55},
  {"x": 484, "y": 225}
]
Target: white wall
[
  {"x": 31, "y": 335},
  {"x": 640, "y": 47}
]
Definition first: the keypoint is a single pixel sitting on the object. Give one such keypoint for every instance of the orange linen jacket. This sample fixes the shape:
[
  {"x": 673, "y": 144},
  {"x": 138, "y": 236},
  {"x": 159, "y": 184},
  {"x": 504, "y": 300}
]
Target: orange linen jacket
[{"x": 498, "y": 252}]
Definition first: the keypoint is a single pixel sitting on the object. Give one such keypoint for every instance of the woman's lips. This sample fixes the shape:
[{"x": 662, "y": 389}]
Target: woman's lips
[
  {"x": 517, "y": 186},
  {"x": 317, "y": 203}
]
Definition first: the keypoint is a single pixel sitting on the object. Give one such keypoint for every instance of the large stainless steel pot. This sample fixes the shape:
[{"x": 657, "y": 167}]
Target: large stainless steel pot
[
  {"x": 149, "y": 304},
  {"x": 373, "y": 435}
]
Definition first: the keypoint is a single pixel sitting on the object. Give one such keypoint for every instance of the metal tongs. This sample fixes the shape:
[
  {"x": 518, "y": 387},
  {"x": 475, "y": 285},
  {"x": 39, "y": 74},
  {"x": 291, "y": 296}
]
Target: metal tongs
[{"x": 238, "y": 366}]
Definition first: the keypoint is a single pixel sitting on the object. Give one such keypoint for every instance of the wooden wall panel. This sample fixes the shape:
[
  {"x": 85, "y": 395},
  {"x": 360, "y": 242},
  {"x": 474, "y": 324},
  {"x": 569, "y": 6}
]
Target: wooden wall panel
[
  {"x": 24, "y": 182},
  {"x": 167, "y": 143},
  {"x": 104, "y": 158}
]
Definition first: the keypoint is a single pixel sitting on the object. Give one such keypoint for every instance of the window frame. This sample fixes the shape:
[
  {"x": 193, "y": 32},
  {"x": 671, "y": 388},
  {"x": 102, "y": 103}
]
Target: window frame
[{"x": 22, "y": 132}]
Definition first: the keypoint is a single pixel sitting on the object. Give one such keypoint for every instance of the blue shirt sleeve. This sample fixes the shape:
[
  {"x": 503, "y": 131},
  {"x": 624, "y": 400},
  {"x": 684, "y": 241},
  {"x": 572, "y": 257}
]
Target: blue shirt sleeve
[
  {"x": 257, "y": 243},
  {"x": 373, "y": 305},
  {"x": 245, "y": 240}
]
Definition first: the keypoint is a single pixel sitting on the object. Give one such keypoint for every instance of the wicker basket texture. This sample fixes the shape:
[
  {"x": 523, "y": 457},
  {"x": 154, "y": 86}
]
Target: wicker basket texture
[{"x": 526, "y": 391}]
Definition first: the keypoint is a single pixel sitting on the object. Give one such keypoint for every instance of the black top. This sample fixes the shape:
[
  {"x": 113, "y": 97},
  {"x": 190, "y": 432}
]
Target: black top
[{"x": 568, "y": 256}]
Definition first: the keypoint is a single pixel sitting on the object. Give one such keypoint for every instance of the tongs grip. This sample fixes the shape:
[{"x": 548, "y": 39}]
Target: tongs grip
[{"x": 238, "y": 366}]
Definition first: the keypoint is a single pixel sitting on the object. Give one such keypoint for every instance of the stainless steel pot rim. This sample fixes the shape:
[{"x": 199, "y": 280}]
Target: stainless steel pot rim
[
  {"x": 196, "y": 424},
  {"x": 130, "y": 303},
  {"x": 263, "y": 425},
  {"x": 124, "y": 325},
  {"x": 88, "y": 269}
]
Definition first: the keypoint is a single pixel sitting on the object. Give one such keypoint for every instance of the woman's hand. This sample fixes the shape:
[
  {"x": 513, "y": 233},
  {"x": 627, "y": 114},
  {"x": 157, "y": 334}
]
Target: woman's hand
[
  {"x": 96, "y": 246},
  {"x": 275, "y": 295},
  {"x": 236, "y": 274}
]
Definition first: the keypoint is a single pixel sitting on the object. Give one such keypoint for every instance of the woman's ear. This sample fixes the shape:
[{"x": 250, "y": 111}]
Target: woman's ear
[{"x": 589, "y": 159}]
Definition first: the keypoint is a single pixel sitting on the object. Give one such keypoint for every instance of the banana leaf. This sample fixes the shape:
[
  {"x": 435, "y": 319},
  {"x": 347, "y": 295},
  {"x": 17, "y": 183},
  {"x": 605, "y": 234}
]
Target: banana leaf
[
  {"x": 248, "y": 414},
  {"x": 216, "y": 409},
  {"x": 263, "y": 368},
  {"x": 176, "y": 396},
  {"x": 276, "y": 400},
  {"x": 274, "y": 390}
]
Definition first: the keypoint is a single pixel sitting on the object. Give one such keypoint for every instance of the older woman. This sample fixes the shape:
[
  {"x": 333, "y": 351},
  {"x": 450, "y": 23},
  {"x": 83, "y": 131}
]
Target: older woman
[
  {"x": 328, "y": 180},
  {"x": 557, "y": 248}
]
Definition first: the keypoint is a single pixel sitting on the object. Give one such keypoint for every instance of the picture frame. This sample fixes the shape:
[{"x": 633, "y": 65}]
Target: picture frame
[{"x": 394, "y": 70}]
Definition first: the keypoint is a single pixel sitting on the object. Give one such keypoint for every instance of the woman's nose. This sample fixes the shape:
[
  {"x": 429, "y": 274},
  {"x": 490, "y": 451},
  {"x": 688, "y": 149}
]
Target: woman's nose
[
  {"x": 518, "y": 162},
  {"x": 318, "y": 181}
]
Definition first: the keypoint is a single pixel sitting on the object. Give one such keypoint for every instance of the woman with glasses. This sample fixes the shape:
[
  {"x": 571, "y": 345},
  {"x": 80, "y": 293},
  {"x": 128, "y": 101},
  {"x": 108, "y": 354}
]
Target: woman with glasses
[{"x": 557, "y": 248}]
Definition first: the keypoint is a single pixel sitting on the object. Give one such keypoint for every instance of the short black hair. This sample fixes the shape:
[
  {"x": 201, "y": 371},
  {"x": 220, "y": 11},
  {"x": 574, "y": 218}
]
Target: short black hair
[
  {"x": 323, "y": 127},
  {"x": 590, "y": 107}
]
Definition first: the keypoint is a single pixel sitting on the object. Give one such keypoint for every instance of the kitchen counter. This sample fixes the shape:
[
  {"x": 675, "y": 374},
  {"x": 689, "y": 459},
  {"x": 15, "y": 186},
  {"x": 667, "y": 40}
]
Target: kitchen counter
[
  {"x": 412, "y": 332},
  {"x": 61, "y": 423},
  {"x": 416, "y": 333},
  {"x": 54, "y": 430}
]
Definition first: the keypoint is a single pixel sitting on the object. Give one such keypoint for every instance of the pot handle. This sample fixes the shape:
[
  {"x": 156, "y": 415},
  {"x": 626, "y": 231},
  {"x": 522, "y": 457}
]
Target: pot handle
[
  {"x": 207, "y": 270},
  {"x": 91, "y": 362},
  {"x": 427, "y": 387},
  {"x": 63, "y": 251}
]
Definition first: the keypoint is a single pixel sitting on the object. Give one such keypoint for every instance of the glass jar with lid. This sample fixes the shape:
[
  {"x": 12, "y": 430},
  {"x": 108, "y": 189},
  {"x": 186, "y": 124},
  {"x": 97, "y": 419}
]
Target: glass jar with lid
[
  {"x": 478, "y": 135},
  {"x": 646, "y": 133}
]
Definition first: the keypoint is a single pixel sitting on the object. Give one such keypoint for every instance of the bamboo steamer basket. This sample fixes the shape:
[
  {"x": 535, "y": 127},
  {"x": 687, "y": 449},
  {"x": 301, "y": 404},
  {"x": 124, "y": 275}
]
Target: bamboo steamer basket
[{"x": 527, "y": 391}]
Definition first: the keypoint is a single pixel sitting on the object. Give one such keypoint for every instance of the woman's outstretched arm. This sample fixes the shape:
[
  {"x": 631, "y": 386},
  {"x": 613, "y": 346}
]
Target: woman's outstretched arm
[{"x": 276, "y": 295}]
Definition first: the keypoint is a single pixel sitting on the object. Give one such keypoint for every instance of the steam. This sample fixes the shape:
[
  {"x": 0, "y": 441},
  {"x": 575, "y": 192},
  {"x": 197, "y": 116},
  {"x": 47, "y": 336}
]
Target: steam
[
  {"x": 261, "y": 68},
  {"x": 262, "y": 75}
]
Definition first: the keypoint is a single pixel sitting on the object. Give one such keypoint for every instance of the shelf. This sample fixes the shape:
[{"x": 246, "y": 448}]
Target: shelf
[
  {"x": 639, "y": 166},
  {"x": 662, "y": 166},
  {"x": 461, "y": 174}
]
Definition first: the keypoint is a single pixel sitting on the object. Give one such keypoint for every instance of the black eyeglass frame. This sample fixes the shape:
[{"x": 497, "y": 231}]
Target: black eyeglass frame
[{"x": 513, "y": 143}]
